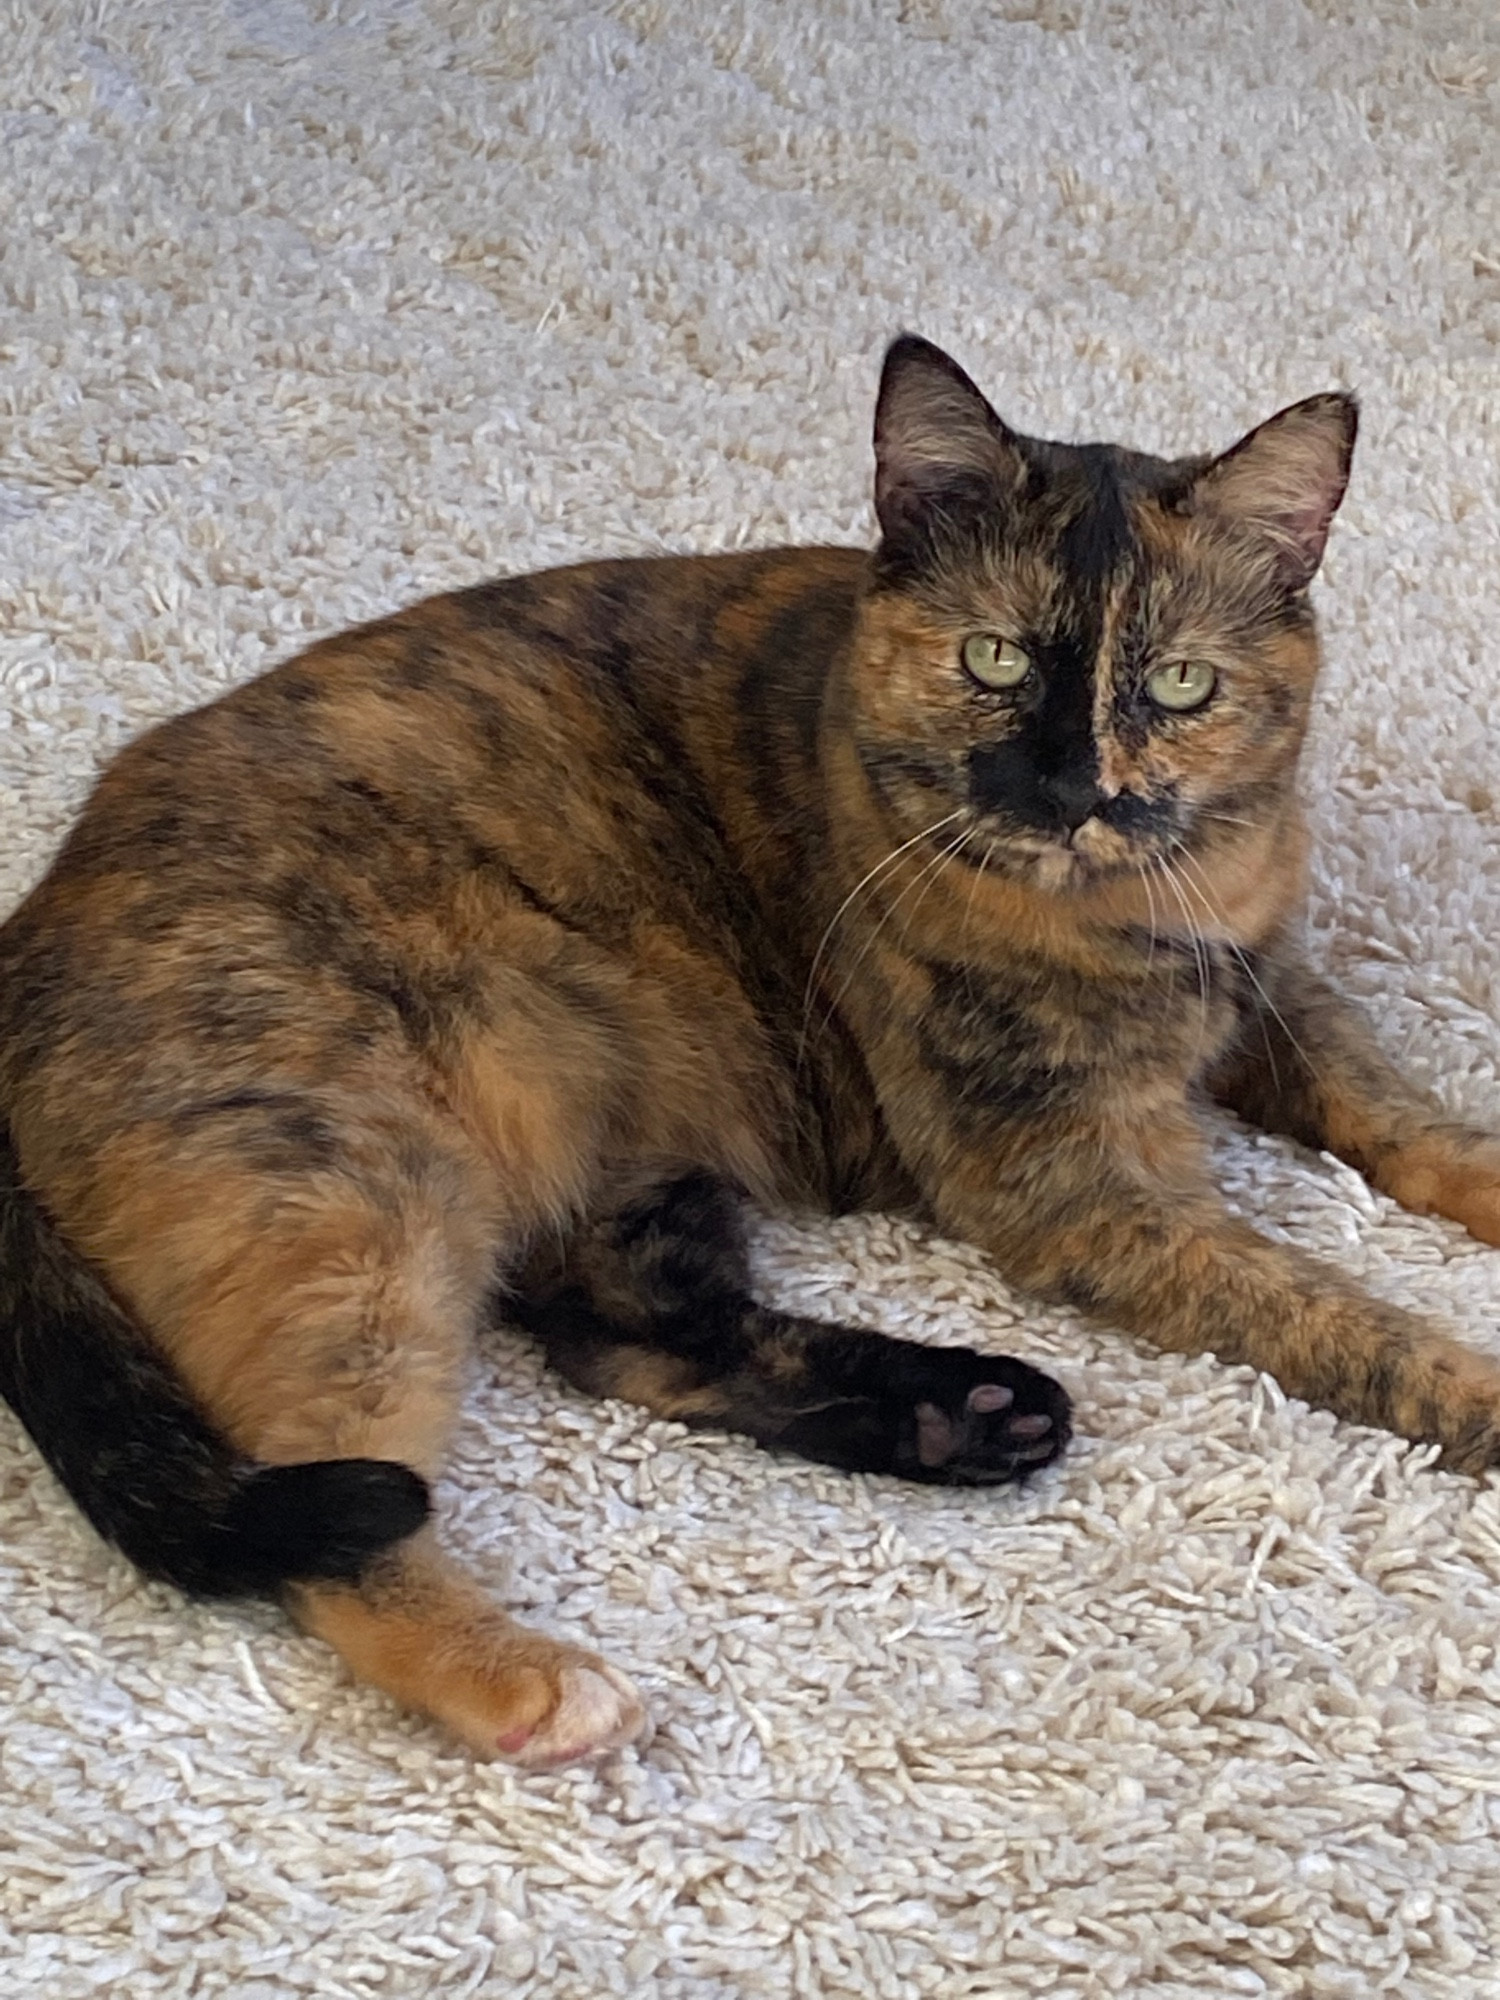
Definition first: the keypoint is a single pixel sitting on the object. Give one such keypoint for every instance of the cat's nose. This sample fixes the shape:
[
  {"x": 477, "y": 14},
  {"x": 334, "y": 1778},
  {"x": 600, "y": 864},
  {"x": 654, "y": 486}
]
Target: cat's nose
[{"x": 1074, "y": 797}]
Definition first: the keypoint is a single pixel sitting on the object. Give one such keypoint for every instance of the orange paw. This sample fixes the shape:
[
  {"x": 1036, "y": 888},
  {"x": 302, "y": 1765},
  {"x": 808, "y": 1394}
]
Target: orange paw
[
  {"x": 1478, "y": 1209},
  {"x": 425, "y": 1635},
  {"x": 593, "y": 1709},
  {"x": 1454, "y": 1172},
  {"x": 553, "y": 1707}
]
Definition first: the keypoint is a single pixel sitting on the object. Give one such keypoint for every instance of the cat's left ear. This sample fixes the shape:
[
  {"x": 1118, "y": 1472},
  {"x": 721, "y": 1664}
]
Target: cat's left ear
[{"x": 1285, "y": 481}]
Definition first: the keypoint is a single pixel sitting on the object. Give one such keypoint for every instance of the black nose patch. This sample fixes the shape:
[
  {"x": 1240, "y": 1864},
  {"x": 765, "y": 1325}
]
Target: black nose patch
[
  {"x": 1073, "y": 796},
  {"x": 1005, "y": 778},
  {"x": 1010, "y": 779}
]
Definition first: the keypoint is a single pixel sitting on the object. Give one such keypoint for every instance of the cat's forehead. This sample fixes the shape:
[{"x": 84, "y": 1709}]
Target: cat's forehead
[
  {"x": 1090, "y": 516},
  {"x": 1089, "y": 528},
  {"x": 1091, "y": 501},
  {"x": 1081, "y": 467},
  {"x": 1102, "y": 518}
]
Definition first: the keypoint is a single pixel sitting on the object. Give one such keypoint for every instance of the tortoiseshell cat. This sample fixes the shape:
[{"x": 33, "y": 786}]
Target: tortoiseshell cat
[{"x": 584, "y": 906}]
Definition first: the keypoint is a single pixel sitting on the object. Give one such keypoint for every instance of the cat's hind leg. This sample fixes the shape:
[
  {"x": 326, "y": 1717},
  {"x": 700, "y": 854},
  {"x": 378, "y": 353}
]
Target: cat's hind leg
[
  {"x": 418, "y": 1627},
  {"x": 653, "y": 1305},
  {"x": 321, "y": 1307}
]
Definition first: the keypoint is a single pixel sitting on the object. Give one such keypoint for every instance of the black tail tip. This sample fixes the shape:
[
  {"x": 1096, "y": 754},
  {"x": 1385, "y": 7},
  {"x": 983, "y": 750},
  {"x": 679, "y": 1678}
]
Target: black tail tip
[{"x": 322, "y": 1522}]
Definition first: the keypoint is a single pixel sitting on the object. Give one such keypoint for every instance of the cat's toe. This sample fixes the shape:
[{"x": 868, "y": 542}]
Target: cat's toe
[
  {"x": 984, "y": 1432},
  {"x": 597, "y": 1710}
]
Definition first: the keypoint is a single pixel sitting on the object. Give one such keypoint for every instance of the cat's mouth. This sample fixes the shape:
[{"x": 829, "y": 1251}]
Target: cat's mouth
[{"x": 1079, "y": 857}]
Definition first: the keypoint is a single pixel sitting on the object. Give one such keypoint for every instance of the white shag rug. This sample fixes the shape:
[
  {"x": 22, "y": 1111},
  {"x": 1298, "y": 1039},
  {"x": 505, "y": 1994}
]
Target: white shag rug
[{"x": 310, "y": 307}]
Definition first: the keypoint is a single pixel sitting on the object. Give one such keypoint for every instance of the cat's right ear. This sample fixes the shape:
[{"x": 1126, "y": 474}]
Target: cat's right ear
[{"x": 940, "y": 450}]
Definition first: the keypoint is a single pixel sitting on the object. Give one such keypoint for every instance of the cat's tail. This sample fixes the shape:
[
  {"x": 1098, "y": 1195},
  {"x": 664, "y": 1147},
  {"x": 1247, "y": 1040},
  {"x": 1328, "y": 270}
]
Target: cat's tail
[{"x": 128, "y": 1442}]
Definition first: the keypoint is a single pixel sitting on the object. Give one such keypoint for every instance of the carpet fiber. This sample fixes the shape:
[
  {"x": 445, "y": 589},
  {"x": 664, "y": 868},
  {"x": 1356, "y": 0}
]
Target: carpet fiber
[{"x": 310, "y": 309}]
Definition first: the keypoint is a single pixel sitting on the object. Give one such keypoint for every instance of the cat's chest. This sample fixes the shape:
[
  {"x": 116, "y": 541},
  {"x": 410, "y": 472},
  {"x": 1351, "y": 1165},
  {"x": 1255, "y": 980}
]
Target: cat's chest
[{"x": 1038, "y": 1036}]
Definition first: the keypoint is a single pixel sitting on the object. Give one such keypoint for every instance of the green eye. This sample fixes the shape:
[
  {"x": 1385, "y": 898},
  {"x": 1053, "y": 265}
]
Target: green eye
[
  {"x": 1181, "y": 687},
  {"x": 995, "y": 662}
]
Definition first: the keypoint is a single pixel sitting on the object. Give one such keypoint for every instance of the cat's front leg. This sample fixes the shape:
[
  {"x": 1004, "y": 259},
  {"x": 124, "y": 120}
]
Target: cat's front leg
[
  {"x": 651, "y": 1302},
  {"x": 1108, "y": 1207},
  {"x": 1305, "y": 1063}
]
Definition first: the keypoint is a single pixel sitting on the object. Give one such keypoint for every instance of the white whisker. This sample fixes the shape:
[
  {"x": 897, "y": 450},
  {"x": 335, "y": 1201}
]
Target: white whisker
[
  {"x": 949, "y": 853},
  {"x": 1249, "y": 971},
  {"x": 865, "y": 882},
  {"x": 974, "y": 890},
  {"x": 924, "y": 879},
  {"x": 1202, "y": 959},
  {"x": 1151, "y": 906}
]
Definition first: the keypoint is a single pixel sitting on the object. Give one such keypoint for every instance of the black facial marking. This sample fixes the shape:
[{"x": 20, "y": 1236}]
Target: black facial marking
[
  {"x": 1043, "y": 773},
  {"x": 1042, "y": 778},
  {"x": 1097, "y": 540},
  {"x": 1129, "y": 812}
]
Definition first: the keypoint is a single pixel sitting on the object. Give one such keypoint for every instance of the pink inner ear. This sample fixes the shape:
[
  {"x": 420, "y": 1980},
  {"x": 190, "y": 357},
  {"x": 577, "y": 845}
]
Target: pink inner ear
[
  {"x": 1303, "y": 532},
  {"x": 1286, "y": 479}
]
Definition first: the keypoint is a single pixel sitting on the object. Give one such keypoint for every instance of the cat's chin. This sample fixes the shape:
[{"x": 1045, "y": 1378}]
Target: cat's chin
[{"x": 1058, "y": 870}]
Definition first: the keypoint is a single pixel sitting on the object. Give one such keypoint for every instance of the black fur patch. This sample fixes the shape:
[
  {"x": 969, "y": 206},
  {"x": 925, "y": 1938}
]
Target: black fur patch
[{"x": 128, "y": 1442}]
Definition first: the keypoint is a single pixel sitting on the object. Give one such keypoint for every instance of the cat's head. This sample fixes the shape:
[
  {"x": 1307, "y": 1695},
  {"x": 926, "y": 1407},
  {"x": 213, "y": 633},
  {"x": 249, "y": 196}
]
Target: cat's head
[{"x": 1085, "y": 656}]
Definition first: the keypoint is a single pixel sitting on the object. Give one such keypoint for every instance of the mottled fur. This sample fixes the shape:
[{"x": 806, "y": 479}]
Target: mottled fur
[{"x": 515, "y": 940}]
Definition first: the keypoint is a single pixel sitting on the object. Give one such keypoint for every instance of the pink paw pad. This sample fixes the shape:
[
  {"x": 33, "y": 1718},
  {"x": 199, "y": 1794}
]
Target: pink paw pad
[{"x": 991, "y": 1396}]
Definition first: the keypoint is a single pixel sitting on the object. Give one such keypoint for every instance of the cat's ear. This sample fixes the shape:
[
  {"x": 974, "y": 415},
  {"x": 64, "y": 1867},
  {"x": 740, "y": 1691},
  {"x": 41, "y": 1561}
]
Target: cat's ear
[
  {"x": 1286, "y": 479},
  {"x": 939, "y": 447}
]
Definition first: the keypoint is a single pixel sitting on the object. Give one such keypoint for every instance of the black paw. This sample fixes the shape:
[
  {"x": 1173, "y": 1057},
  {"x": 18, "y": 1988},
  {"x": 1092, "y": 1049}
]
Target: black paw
[{"x": 978, "y": 1420}]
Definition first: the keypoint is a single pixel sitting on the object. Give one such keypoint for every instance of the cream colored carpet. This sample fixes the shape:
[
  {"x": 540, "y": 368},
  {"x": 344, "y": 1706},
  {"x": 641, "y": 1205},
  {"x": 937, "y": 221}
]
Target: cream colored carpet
[{"x": 307, "y": 309}]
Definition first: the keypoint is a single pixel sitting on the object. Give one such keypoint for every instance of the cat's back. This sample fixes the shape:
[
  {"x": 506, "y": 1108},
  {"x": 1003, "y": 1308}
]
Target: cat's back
[
  {"x": 521, "y": 799},
  {"x": 567, "y": 703}
]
